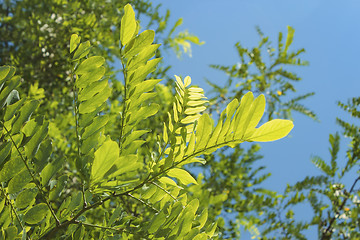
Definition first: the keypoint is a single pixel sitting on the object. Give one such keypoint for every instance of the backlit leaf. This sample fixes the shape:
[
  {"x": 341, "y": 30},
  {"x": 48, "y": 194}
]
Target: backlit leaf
[
  {"x": 128, "y": 25},
  {"x": 104, "y": 159},
  {"x": 271, "y": 131},
  {"x": 183, "y": 176}
]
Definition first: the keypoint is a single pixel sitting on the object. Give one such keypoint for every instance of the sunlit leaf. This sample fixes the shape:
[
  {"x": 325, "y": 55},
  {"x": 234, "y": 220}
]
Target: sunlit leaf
[
  {"x": 128, "y": 25},
  {"x": 272, "y": 130},
  {"x": 183, "y": 176}
]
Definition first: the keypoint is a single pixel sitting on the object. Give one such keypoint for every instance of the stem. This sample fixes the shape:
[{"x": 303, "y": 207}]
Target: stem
[
  {"x": 324, "y": 235},
  {"x": 98, "y": 226},
  {"x": 32, "y": 176},
  {"x": 166, "y": 191},
  {"x": 143, "y": 202}
]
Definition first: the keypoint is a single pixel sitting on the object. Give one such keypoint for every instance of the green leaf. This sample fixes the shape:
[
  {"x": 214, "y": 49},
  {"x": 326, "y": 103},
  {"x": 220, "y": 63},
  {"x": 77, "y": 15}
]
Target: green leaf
[
  {"x": 139, "y": 43},
  {"x": 157, "y": 221},
  {"x": 36, "y": 214},
  {"x": 143, "y": 98},
  {"x": 115, "y": 214},
  {"x": 320, "y": 163},
  {"x": 133, "y": 136},
  {"x": 195, "y": 110},
  {"x": 203, "y": 130},
  {"x": 33, "y": 145},
  {"x": 4, "y": 71},
  {"x": 255, "y": 114},
  {"x": 49, "y": 170},
  {"x": 60, "y": 184},
  {"x": 143, "y": 87},
  {"x": 10, "y": 110},
  {"x": 141, "y": 73},
  {"x": 192, "y": 234},
  {"x": 211, "y": 229},
  {"x": 42, "y": 155},
  {"x": 271, "y": 131},
  {"x": 145, "y": 54},
  {"x": 82, "y": 51},
  {"x": 74, "y": 42},
  {"x": 19, "y": 181},
  {"x": 76, "y": 202},
  {"x": 289, "y": 38},
  {"x": 90, "y": 64},
  {"x": 92, "y": 89},
  {"x": 128, "y": 25},
  {"x": 242, "y": 113},
  {"x": 11, "y": 168},
  {"x": 26, "y": 197},
  {"x": 90, "y": 77},
  {"x": 183, "y": 176},
  {"x": 143, "y": 113},
  {"x": 11, "y": 232},
  {"x": 96, "y": 101},
  {"x": 104, "y": 159},
  {"x": 190, "y": 119},
  {"x": 5, "y": 149},
  {"x": 123, "y": 165},
  {"x": 12, "y": 84},
  {"x": 98, "y": 123},
  {"x": 202, "y": 218},
  {"x": 25, "y": 113}
]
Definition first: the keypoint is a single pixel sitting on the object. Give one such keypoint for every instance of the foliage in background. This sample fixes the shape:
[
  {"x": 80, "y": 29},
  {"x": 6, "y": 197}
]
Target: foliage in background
[{"x": 114, "y": 185}]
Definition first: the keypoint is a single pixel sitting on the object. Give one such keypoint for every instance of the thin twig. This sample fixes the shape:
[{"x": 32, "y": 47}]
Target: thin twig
[
  {"x": 166, "y": 191},
  {"x": 98, "y": 226},
  {"x": 143, "y": 202}
]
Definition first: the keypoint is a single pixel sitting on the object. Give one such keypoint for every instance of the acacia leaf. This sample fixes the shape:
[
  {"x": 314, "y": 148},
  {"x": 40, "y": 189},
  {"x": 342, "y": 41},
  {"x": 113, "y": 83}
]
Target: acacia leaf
[
  {"x": 182, "y": 175},
  {"x": 36, "y": 214},
  {"x": 271, "y": 131}
]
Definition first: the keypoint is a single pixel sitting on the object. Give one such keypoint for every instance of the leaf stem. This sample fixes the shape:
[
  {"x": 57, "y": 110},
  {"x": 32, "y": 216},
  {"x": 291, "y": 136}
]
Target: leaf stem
[
  {"x": 98, "y": 226},
  {"x": 166, "y": 191},
  {"x": 143, "y": 202}
]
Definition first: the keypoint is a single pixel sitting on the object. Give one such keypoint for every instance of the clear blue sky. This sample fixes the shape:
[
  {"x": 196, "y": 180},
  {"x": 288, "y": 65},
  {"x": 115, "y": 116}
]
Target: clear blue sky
[{"x": 328, "y": 30}]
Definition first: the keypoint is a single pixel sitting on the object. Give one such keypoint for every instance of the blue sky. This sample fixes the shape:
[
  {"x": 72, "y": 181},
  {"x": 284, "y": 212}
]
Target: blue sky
[{"x": 330, "y": 33}]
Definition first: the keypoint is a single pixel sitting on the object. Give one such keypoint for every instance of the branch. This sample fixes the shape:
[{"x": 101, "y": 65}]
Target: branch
[{"x": 102, "y": 227}]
